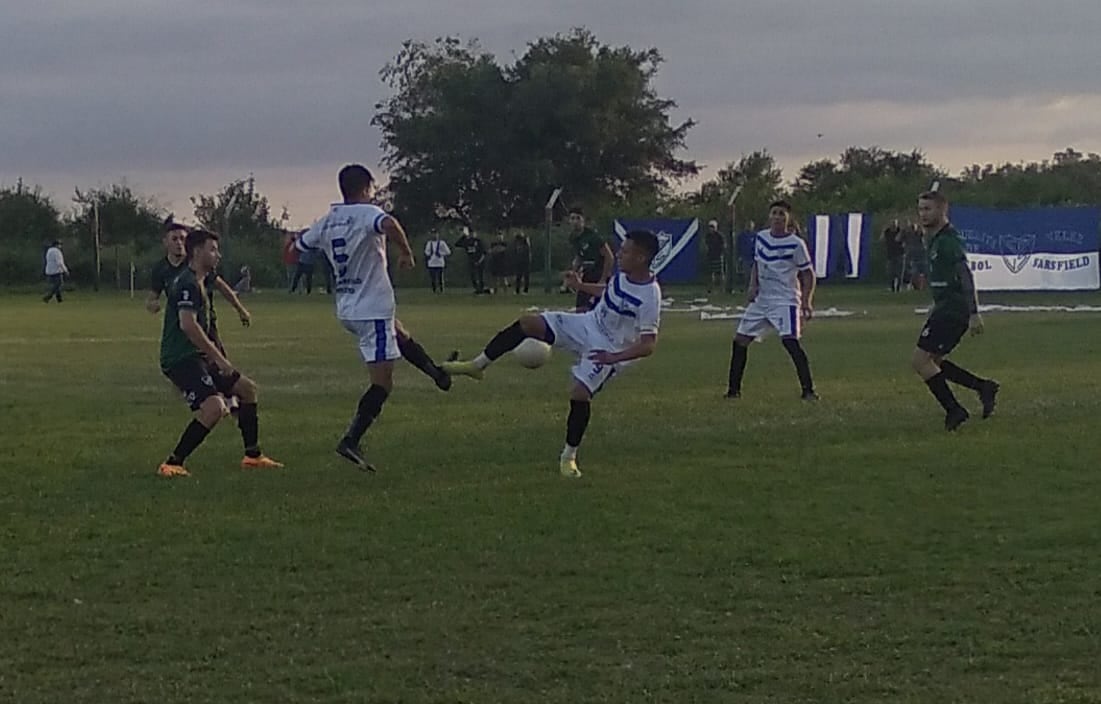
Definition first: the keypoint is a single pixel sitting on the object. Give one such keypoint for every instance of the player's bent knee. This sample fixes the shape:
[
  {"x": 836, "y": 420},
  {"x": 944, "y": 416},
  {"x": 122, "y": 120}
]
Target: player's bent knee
[
  {"x": 400, "y": 332},
  {"x": 579, "y": 392},
  {"x": 245, "y": 389},
  {"x": 533, "y": 325},
  {"x": 212, "y": 410},
  {"x": 923, "y": 363}
]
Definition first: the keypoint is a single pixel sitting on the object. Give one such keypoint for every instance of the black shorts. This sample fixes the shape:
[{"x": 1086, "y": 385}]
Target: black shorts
[
  {"x": 715, "y": 266},
  {"x": 198, "y": 380},
  {"x": 941, "y": 335}
]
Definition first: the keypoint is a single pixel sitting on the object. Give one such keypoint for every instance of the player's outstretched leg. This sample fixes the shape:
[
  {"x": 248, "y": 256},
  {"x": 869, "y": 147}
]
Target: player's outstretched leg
[
  {"x": 212, "y": 410},
  {"x": 927, "y": 366},
  {"x": 739, "y": 355},
  {"x": 368, "y": 409},
  {"x": 248, "y": 422},
  {"x": 576, "y": 423},
  {"x": 415, "y": 354},
  {"x": 802, "y": 367},
  {"x": 502, "y": 343},
  {"x": 986, "y": 388}
]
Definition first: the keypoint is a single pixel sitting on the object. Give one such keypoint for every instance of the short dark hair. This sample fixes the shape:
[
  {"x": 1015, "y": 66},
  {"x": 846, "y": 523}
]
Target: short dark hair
[
  {"x": 197, "y": 238},
  {"x": 353, "y": 179},
  {"x": 170, "y": 225},
  {"x": 647, "y": 240},
  {"x": 780, "y": 204},
  {"x": 935, "y": 196},
  {"x": 577, "y": 210}
]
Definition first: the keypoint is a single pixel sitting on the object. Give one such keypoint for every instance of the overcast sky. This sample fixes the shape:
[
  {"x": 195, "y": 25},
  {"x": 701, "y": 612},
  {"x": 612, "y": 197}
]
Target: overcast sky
[{"x": 180, "y": 97}]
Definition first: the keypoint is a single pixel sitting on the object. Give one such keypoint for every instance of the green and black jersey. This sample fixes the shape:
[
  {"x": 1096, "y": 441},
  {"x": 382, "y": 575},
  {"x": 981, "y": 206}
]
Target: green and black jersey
[
  {"x": 185, "y": 293},
  {"x": 164, "y": 273},
  {"x": 588, "y": 247},
  {"x": 946, "y": 253}
]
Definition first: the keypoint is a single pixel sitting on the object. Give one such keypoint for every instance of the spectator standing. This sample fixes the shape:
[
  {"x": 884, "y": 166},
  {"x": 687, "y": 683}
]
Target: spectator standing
[
  {"x": 436, "y": 253},
  {"x": 55, "y": 271},
  {"x": 521, "y": 261}
]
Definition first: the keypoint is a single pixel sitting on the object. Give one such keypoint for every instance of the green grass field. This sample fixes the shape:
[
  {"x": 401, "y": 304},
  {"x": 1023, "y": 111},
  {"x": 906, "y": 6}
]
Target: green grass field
[{"x": 762, "y": 551}]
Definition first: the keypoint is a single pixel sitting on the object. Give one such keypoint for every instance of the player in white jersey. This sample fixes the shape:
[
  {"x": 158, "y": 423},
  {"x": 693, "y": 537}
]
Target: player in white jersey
[
  {"x": 353, "y": 235},
  {"x": 621, "y": 328},
  {"x": 781, "y": 298}
]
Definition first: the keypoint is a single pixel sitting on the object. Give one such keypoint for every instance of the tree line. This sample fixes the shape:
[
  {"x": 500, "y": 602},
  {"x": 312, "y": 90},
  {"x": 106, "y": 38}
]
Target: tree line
[{"x": 471, "y": 141}]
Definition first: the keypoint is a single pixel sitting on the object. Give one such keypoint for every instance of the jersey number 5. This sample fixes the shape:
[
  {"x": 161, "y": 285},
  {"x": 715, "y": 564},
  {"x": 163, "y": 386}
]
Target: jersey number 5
[{"x": 340, "y": 257}]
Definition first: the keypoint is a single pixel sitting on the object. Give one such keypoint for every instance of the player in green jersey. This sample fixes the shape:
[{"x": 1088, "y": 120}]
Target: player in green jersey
[
  {"x": 955, "y": 310},
  {"x": 198, "y": 368},
  {"x": 592, "y": 258}
]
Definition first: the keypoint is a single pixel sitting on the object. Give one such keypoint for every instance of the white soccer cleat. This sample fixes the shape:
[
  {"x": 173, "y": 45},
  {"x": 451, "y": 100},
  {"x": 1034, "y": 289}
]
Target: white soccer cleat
[{"x": 568, "y": 468}]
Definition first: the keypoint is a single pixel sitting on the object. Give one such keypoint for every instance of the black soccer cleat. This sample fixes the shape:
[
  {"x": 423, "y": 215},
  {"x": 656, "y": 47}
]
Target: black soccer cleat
[
  {"x": 955, "y": 418},
  {"x": 353, "y": 454},
  {"x": 442, "y": 379},
  {"x": 730, "y": 393},
  {"x": 810, "y": 396},
  {"x": 988, "y": 394}
]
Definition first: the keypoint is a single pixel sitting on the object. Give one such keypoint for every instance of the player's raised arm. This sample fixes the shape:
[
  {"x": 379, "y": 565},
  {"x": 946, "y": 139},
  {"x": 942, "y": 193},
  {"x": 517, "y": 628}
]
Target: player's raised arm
[
  {"x": 395, "y": 234},
  {"x": 234, "y": 300},
  {"x": 574, "y": 283}
]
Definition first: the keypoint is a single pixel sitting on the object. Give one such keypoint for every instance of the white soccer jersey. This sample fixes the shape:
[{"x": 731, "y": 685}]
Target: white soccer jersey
[
  {"x": 779, "y": 261},
  {"x": 351, "y": 237},
  {"x": 627, "y": 311}
]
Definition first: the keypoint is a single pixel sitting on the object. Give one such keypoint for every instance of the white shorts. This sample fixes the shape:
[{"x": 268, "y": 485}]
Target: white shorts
[
  {"x": 578, "y": 333},
  {"x": 759, "y": 318},
  {"x": 377, "y": 340}
]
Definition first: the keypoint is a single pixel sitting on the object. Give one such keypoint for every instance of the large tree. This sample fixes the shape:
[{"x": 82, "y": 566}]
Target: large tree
[
  {"x": 760, "y": 180},
  {"x": 467, "y": 137},
  {"x": 864, "y": 178},
  {"x": 238, "y": 209},
  {"x": 27, "y": 215},
  {"x": 125, "y": 218}
]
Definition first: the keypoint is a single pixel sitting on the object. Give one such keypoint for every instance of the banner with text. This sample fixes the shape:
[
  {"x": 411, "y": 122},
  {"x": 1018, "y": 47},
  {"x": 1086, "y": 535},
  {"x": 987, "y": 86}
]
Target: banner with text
[{"x": 1031, "y": 249}]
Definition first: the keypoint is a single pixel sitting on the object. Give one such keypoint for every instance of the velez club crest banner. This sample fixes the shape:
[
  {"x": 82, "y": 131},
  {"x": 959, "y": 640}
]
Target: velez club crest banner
[
  {"x": 677, "y": 257},
  {"x": 1031, "y": 249}
]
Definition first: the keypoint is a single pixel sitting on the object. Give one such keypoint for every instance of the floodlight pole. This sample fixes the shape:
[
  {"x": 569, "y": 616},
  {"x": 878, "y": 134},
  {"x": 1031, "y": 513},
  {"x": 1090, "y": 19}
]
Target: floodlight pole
[
  {"x": 549, "y": 211},
  {"x": 225, "y": 224},
  {"x": 732, "y": 254}
]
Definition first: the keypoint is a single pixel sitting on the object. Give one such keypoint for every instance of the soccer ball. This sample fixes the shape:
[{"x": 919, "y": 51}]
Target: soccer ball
[{"x": 532, "y": 353}]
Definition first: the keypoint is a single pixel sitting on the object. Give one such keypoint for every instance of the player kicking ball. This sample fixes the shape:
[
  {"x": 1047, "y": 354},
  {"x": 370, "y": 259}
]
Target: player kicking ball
[
  {"x": 955, "y": 310},
  {"x": 781, "y": 298},
  {"x": 622, "y": 328},
  {"x": 198, "y": 368}
]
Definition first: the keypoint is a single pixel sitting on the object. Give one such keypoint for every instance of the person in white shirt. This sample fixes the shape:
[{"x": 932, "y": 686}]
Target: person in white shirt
[
  {"x": 781, "y": 297},
  {"x": 55, "y": 271},
  {"x": 353, "y": 235},
  {"x": 436, "y": 253},
  {"x": 622, "y": 328}
]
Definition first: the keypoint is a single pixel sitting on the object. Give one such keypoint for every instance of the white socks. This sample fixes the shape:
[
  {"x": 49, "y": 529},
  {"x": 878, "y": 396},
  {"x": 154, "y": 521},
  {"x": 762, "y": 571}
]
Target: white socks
[
  {"x": 481, "y": 361},
  {"x": 569, "y": 453}
]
